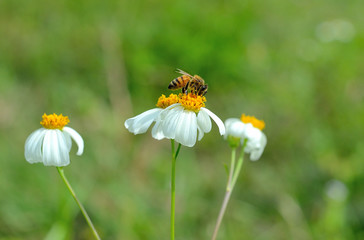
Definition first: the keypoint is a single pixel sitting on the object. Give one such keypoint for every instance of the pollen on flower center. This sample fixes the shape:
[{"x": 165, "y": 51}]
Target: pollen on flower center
[
  {"x": 164, "y": 102},
  {"x": 192, "y": 102},
  {"x": 260, "y": 124},
  {"x": 54, "y": 121}
]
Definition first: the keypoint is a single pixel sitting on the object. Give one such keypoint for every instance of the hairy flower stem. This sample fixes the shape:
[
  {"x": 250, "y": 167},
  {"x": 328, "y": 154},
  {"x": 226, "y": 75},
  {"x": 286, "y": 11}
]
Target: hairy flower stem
[
  {"x": 233, "y": 176},
  {"x": 173, "y": 186},
  {"x": 83, "y": 210}
]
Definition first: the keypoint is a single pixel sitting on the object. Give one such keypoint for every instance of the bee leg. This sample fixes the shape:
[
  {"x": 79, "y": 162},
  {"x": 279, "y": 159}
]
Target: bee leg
[
  {"x": 185, "y": 88},
  {"x": 203, "y": 90}
]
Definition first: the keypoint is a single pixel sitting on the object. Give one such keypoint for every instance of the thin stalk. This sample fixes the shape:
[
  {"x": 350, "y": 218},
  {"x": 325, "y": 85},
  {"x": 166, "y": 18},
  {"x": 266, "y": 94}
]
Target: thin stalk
[
  {"x": 238, "y": 166},
  {"x": 231, "y": 170},
  {"x": 233, "y": 176},
  {"x": 227, "y": 194},
  {"x": 83, "y": 210},
  {"x": 173, "y": 188},
  {"x": 237, "y": 171}
]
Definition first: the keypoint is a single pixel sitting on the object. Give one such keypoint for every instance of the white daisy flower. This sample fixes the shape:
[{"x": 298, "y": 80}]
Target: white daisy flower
[
  {"x": 177, "y": 117},
  {"x": 248, "y": 129},
  {"x": 181, "y": 121},
  {"x": 140, "y": 123},
  {"x": 52, "y": 143}
]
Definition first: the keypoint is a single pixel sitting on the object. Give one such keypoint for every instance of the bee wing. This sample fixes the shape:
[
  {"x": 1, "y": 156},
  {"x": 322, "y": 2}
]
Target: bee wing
[{"x": 183, "y": 72}]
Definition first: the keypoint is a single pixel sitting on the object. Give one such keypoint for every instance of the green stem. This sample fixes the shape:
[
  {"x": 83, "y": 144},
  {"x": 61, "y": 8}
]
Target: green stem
[
  {"x": 233, "y": 176},
  {"x": 173, "y": 188},
  {"x": 227, "y": 194},
  {"x": 238, "y": 166},
  {"x": 83, "y": 210},
  {"x": 231, "y": 170}
]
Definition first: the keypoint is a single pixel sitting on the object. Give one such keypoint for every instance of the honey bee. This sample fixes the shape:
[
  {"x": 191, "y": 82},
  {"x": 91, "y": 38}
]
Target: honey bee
[
  {"x": 195, "y": 83},
  {"x": 180, "y": 82}
]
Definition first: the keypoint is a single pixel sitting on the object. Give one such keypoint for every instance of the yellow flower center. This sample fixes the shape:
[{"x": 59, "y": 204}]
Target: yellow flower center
[
  {"x": 260, "y": 124},
  {"x": 192, "y": 102},
  {"x": 164, "y": 102},
  {"x": 54, "y": 121}
]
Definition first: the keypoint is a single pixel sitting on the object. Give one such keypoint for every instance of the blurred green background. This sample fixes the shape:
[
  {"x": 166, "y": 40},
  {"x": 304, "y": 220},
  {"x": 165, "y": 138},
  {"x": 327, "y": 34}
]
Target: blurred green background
[{"x": 298, "y": 65}]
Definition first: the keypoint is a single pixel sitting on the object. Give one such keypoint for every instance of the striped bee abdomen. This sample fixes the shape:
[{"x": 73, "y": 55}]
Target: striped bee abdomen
[{"x": 179, "y": 82}]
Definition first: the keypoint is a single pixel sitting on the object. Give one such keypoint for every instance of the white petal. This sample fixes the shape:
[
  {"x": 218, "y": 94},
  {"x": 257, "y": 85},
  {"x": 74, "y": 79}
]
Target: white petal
[
  {"x": 141, "y": 123},
  {"x": 63, "y": 150},
  {"x": 76, "y": 137},
  {"x": 251, "y": 133},
  {"x": 255, "y": 155},
  {"x": 170, "y": 118},
  {"x": 186, "y": 128},
  {"x": 231, "y": 121},
  {"x": 55, "y": 152},
  {"x": 256, "y": 141},
  {"x": 217, "y": 120},
  {"x": 33, "y": 146},
  {"x": 200, "y": 133},
  {"x": 68, "y": 140},
  {"x": 204, "y": 121},
  {"x": 157, "y": 131},
  {"x": 47, "y": 147},
  {"x": 234, "y": 127}
]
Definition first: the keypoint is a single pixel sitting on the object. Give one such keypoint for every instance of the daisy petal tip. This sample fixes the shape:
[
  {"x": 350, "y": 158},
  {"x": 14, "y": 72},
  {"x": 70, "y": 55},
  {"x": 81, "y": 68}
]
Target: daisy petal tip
[
  {"x": 127, "y": 124},
  {"x": 77, "y": 138},
  {"x": 222, "y": 130},
  {"x": 80, "y": 148},
  {"x": 217, "y": 120}
]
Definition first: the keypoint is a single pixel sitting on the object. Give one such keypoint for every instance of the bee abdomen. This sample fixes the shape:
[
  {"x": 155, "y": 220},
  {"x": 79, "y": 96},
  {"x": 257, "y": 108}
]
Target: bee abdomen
[
  {"x": 174, "y": 84},
  {"x": 178, "y": 82}
]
